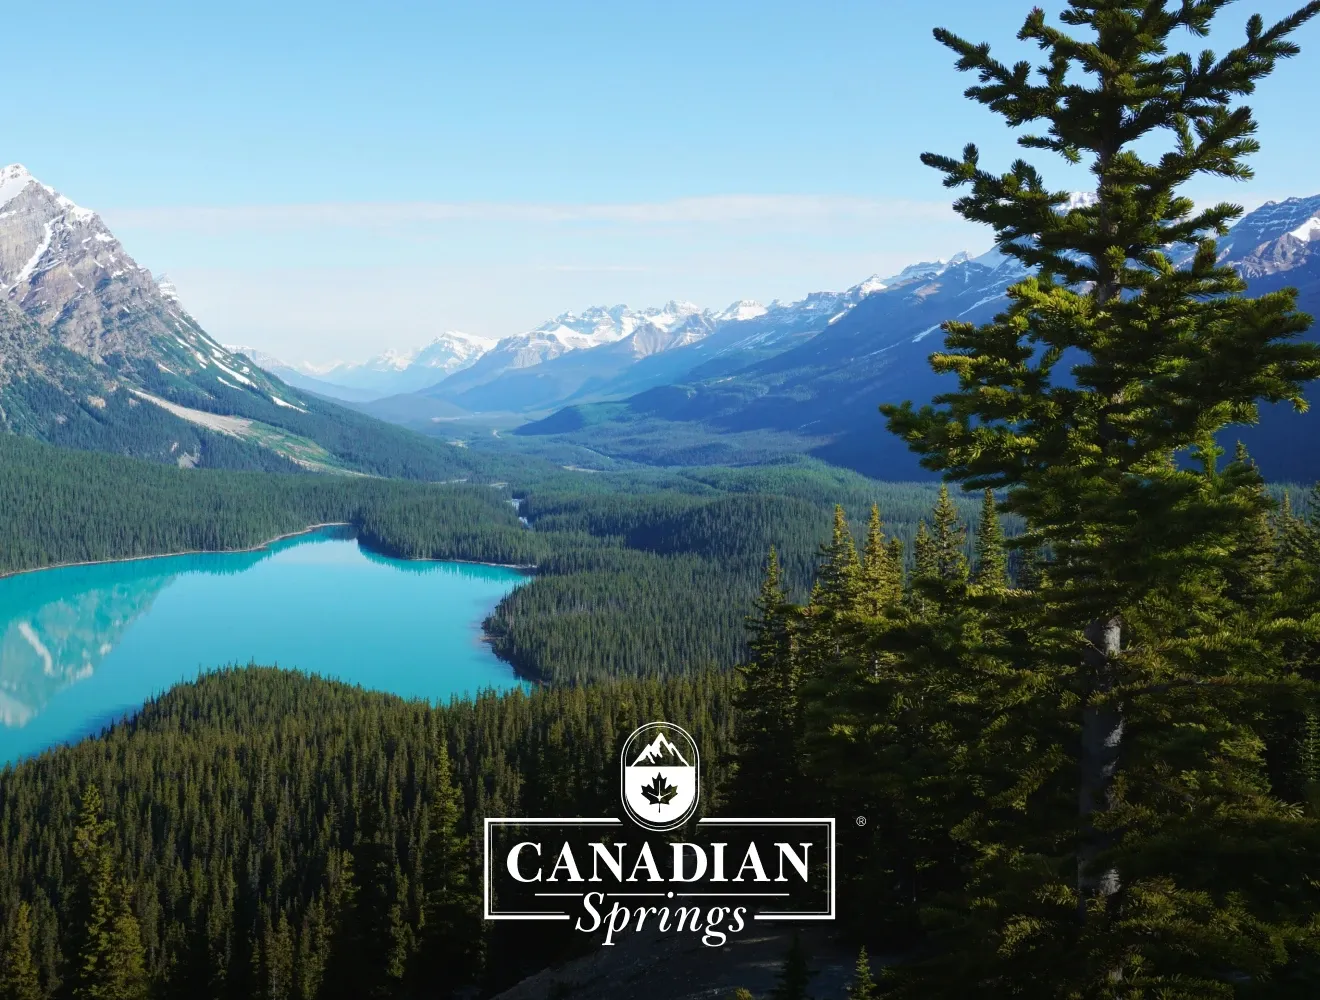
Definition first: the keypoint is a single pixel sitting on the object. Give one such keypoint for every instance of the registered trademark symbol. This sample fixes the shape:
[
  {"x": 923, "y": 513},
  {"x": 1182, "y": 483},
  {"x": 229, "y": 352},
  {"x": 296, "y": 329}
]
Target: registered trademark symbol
[{"x": 861, "y": 821}]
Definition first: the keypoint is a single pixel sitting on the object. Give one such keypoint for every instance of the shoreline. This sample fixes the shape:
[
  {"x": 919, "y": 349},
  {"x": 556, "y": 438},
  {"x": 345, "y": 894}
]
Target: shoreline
[
  {"x": 186, "y": 552},
  {"x": 253, "y": 548},
  {"x": 521, "y": 567}
]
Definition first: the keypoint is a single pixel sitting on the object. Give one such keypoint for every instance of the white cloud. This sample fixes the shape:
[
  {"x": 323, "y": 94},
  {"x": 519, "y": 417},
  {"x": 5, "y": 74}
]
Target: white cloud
[{"x": 710, "y": 210}]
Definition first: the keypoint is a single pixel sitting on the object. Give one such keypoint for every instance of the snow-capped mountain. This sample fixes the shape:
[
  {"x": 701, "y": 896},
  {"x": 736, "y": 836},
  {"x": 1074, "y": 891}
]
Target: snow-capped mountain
[
  {"x": 1278, "y": 236},
  {"x": 613, "y": 352},
  {"x": 405, "y": 371},
  {"x": 821, "y": 389},
  {"x": 741, "y": 310},
  {"x": 387, "y": 374},
  {"x": 651, "y": 330},
  {"x": 96, "y": 353},
  {"x": 67, "y": 273}
]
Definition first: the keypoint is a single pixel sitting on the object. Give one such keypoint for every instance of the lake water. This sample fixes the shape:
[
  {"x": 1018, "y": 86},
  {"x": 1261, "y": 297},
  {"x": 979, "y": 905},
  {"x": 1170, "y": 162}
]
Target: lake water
[{"x": 82, "y": 645}]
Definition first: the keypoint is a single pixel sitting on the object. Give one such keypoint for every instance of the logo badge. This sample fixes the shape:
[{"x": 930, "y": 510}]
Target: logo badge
[{"x": 659, "y": 773}]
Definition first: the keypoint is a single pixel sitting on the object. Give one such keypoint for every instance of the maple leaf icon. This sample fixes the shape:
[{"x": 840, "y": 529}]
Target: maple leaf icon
[{"x": 659, "y": 791}]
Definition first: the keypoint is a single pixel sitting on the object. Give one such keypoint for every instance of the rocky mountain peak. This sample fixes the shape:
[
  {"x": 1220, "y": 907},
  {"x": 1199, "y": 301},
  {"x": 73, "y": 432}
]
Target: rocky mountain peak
[
  {"x": 1278, "y": 236},
  {"x": 63, "y": 269}
]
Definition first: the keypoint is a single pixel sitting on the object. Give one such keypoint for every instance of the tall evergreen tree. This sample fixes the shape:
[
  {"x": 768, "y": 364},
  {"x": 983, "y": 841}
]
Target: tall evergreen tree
[
  {"x": 839, "y": 580},
  {"x": 1111, "y": 360},
  {"x": 882, "y": 576},
  {"x": 449, "y": 943},
  {"x": 949, "y": 538},
  {"x": 278, "y": 961},
  {"x": 767, "y": 723},
  {"x": 863, "y": 985},
  {"x": 991, "y": 559},
  {"x": 1251, "y": 573},
  {"x": 110, "y": 957},
  {"x": 925, "y": 557},
  {"x": 347, "y": 974},
  {"x": 18, "y": 972}
]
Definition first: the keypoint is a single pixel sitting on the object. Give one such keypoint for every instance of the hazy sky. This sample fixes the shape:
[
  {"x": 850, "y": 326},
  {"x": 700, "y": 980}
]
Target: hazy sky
[{"x": 326, "y": 179}]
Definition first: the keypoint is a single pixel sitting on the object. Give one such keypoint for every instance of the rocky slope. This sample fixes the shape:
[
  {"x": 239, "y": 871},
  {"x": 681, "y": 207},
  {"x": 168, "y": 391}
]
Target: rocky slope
[{"x": 96, "y": 353}]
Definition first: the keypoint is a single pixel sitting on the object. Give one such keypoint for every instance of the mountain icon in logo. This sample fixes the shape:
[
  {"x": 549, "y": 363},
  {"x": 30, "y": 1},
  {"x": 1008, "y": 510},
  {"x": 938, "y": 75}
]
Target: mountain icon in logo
[
  {"x": 661, "y": 751},
  {"x": 660, "y": 776}
]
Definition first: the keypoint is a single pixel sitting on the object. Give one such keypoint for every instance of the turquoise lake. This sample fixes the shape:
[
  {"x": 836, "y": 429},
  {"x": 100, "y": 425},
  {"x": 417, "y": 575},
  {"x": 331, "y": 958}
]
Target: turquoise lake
[{"x": 80, "y": 646}]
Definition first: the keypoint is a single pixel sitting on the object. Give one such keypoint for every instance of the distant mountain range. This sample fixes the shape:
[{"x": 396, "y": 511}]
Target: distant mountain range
[
  {"x": 386, "y": 374},
  {"x": 97, "y": 353},
  {"x": 679, "y": 384},
  {"x": 602, "y": 352},
  {"x": 821, "y": 394}
]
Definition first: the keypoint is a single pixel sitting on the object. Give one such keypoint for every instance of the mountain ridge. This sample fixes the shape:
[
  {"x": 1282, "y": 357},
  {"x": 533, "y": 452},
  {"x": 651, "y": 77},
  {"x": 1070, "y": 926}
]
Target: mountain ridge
[
  {"x": 824, "y": 391},
  {"x": 97, "y": 353}
]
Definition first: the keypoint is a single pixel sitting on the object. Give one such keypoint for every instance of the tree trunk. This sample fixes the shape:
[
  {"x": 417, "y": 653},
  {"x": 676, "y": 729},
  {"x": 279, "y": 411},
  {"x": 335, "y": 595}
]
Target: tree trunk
[{"x": 1102, "y": 734}]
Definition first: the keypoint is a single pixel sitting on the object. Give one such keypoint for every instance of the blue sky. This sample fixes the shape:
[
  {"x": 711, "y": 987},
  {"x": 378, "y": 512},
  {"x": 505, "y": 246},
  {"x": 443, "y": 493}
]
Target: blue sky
[{"x": 331, "y": 179}]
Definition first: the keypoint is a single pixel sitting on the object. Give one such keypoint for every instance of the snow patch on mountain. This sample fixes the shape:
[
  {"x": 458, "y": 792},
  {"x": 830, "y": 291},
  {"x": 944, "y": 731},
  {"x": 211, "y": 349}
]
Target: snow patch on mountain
[
  {"x": 1308, "y": 230},
  {"x": 743, "y": 309},
  {"x": 15, "y": 178}
]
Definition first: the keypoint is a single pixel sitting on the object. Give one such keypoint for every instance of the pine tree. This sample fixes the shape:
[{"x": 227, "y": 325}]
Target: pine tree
[
  {"x": 863, "y": 986},
  {"x": 949, "y": 538},
  {"x": 882, "y": 576},
  {"x": 767, "y": 722},
  {"x": 347, "y": 975},
  {"x": 991, "y": 559},
  {"x": 449, "y": 942},
  {"x": 1109, "y": 362},
  {"x": 124, "y": 975},
  {"x": 1251, "y": 574},
  {"x": 895, "y": 548},
  {"x": 1293, "y": 543},
  {"x": 795, "y": 975},
  {"x": 111, "y": 960},
  {"x": 926, "y": 564},
  {"x": 839, "y": 579},
  {"x": 18, "y": 973},
  {"x": 278, "y": 961}
]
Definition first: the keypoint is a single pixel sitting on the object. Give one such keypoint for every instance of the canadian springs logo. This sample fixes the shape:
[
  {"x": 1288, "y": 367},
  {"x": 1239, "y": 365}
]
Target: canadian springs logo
[
  {"x": 655, "y": 867},
  {"x": 661, "y": 785}
]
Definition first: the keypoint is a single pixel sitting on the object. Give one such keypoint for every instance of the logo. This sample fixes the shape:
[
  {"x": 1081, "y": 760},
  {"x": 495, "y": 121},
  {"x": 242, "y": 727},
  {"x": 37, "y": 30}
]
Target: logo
[
  {"x": 612, "y": 875},
  {"x": 660, "y": 775}
]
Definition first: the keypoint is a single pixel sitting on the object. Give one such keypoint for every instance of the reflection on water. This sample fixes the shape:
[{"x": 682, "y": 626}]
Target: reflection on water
[
  {"x": 80, "y": 645},
  {"x": 52, "y": 639}
]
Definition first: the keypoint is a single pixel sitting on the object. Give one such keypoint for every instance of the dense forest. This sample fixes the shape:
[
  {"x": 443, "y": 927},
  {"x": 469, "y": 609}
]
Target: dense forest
[
  {"x": 637, "y": 575},
  {"x": 59, "y": 506},
  {"x": 264, "y": 834}
]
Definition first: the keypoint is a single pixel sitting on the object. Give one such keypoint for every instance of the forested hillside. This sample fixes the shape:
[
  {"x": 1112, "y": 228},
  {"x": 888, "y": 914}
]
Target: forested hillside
[
  {"x": 263, "y": 835},
  {"x": 635, "y": 576},
  {"x": 59, "y": 506}
]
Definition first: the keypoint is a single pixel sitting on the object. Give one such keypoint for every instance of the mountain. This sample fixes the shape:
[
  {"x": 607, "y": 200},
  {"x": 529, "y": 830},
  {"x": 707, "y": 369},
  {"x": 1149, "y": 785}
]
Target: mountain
[
  {"x": 660, "y": 752},
  {"x": 568, "y": 332},
  {"x": 394, "y": 372},
  {"x": 290, "y": 375},
  {"x": 97, "y": 353},
  {"x": 613, "y": 353},
  {"x": 821, "y": 394}
]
